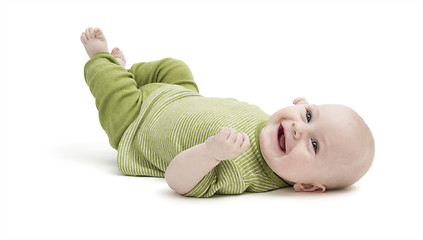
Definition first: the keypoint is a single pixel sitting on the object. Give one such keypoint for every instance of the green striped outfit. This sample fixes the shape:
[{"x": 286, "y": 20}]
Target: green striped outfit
[{"x": 168, "y": 116}]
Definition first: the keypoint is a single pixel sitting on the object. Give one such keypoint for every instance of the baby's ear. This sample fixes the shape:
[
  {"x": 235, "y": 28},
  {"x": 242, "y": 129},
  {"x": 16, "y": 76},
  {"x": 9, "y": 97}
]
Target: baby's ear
[
  {"x": 309, "y": 187},
  {"x": 300, "y": 100}
]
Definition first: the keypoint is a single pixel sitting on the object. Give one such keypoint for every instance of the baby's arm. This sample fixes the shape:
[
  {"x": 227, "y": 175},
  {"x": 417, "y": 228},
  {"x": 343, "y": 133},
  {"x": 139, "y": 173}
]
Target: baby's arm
[{"x": 188, "y": 168}]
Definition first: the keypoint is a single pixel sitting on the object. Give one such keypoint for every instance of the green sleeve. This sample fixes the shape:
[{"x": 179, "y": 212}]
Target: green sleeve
[{"x": 207, "y": 187}]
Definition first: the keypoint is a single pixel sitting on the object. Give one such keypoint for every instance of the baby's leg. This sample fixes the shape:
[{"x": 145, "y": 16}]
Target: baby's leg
[
  {"x": 168, "y": 70},
  {"x": 118, "y": 99}
]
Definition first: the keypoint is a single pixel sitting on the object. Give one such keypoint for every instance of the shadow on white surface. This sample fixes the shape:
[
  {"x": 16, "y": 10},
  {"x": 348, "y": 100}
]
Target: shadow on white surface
[
  {"x": 104, "y": 159},
  {"x": 93, "y": 154}
]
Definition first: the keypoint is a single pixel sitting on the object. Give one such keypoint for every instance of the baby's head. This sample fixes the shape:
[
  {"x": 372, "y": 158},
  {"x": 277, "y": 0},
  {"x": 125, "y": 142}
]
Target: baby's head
[{"x": 317, "y": 147}]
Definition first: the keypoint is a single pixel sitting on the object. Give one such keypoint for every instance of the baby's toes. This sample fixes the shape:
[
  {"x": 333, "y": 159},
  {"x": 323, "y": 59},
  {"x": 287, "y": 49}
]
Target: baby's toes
[
  {"x": 87, "y": 35},
  {"x": 84, "y": 38},
  {"x": 99, "y": 34},
  {"x": 91, "y": 33},
  {"x": 116, "y": 52}
]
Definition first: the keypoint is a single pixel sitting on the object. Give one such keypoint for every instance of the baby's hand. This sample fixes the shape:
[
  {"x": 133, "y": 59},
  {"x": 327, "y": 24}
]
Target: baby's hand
[{"x": 227, "y": 144}]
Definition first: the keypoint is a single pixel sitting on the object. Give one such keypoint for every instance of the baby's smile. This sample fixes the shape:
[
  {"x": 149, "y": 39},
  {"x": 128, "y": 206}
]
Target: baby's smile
[
  {"x": 281, "y": 138},
  {"x": 284, "y": 137}
]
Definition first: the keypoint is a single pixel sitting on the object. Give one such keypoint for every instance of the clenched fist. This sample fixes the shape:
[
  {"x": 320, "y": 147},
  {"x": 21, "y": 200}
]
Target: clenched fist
[{"x": 227, "y": 144}]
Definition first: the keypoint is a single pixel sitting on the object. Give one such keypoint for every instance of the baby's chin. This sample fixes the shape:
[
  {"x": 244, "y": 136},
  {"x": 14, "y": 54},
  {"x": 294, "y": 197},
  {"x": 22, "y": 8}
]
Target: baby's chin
[{"x": 286, "y": 180}]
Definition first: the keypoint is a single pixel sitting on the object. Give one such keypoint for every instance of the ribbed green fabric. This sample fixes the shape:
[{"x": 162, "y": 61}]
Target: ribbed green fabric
[{"x": 173, "y": 119}]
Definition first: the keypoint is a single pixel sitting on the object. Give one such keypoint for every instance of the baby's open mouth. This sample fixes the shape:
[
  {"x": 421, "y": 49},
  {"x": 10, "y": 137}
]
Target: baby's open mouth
[{"x": 281, "y": 138}]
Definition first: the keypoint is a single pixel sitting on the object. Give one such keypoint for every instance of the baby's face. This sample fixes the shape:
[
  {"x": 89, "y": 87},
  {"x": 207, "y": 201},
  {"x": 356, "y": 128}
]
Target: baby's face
[{"x": 301, "y": 143}]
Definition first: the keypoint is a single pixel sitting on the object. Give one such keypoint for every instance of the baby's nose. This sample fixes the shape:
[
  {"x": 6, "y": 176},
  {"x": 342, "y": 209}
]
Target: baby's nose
[{"x": 295, "y": 130}]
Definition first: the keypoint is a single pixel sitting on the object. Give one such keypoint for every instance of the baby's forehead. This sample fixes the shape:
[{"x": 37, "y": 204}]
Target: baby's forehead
[
  {"x": 339, "y": 116},
  {"x": 350, "y": 143},
  {"x": 341, "y": 128},
  {"x": 335, "y": 110},
  {"x": 333, "y": 118}
]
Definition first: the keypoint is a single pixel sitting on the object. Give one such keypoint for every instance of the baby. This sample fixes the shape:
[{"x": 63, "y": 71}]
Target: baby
[{"x": 162, "y": 127}]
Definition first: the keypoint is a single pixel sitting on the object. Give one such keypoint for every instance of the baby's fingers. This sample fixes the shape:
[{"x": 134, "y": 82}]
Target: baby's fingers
[
  {"x": 239, "y": 139},
  {"x": 233, "y": 136},
  {"x": 224, "y": 133},
  {"x": 245, "y": 143}
]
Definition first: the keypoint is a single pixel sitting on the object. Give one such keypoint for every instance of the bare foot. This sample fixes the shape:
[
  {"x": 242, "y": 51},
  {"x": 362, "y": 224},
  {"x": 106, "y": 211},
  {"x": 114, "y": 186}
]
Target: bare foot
[
  {"x": 94, "y": 41},
  {"x": 120, "y": 57}
]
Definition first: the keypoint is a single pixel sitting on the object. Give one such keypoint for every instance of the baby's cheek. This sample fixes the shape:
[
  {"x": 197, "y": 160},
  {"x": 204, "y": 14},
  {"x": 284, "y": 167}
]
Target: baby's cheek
[
  {"x": 298, "y": 154},
  {"x": 299, "y": 158},
  {"x": 298, "y": 166}
]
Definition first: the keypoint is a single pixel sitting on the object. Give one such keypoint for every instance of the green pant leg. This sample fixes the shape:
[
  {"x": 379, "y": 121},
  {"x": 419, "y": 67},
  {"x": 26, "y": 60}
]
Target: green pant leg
[
  {"x": 117, "y": 97},
  {"x": 168, "y": 71}
]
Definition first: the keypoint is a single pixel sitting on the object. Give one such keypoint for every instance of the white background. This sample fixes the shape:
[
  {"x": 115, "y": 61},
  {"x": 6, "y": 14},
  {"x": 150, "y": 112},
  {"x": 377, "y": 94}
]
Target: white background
[{"x": 59, "y": 178}]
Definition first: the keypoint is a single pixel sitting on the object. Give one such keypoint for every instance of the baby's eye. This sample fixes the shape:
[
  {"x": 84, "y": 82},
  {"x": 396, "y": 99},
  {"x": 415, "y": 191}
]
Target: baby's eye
[
  {"x": 315, "y": 145},
  {"x": 308, "y": 115}
]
